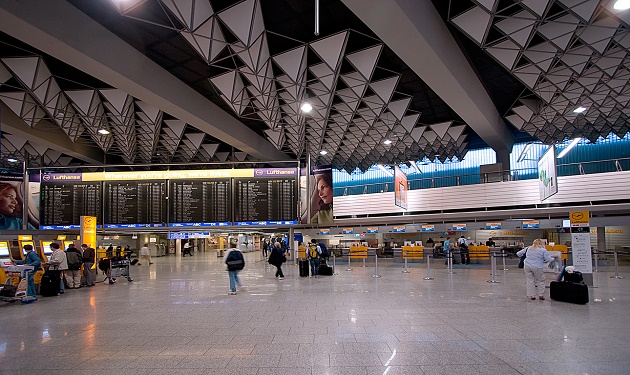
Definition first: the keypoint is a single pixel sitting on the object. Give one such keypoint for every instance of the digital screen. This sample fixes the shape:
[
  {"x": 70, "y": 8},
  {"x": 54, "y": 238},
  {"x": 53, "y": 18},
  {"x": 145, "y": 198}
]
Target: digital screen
[
  {"x": 46, "y": 247},
  {"x": 63, "y": 203},
  {"x": 135, "y": 204},
  {"x": 4, "y": 249},
  {"x": 265, "y": 201},
  {"x": 26, "y": 243},
  {"x": 200, "y": 203}
]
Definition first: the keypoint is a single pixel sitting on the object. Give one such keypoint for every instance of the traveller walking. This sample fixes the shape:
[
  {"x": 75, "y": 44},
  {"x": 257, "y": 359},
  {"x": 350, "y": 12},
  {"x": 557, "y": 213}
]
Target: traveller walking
[
  {"x": 276, "y": 258},
  {"x": 536, "y": 255},
  {"x": 145, "y": 254},
  {"x": 235, "y": 262}
]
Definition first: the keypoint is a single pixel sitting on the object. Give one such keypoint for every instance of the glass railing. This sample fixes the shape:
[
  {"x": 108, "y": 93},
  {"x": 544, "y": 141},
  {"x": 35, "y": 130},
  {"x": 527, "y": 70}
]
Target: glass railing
[{"x": 569, "y": 169}]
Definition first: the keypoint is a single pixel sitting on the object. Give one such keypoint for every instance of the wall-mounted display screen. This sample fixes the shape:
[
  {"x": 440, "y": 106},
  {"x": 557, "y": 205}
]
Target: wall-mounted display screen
[
  {"x": 4, "y": 249},
  {"x": 200, "y": 203},
  {"x": 135, "y": 204},
  {"x": 63, "y": 203},
  {"x": 265, "y": 201}
]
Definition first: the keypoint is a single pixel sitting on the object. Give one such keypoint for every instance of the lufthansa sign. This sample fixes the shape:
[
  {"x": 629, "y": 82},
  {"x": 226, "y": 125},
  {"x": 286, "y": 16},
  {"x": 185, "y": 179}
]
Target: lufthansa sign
[{"x": 579, "y": 218}]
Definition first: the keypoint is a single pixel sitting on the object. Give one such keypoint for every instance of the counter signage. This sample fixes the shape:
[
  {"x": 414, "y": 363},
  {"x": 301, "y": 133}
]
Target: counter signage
[
  {"x": 459, "y": 226},
  {"x": 428, "y": 228},
  {"x": 491, "y": 226},
  {"x": 372, "y": 229},
  {"x": 579, "y": 218},
  {"x": 25, "y": 237},
  {"x": 348, "y": 230},
  {"x": 535, "y": 224},
  {"x": 324, "y": 231},
  {"x": 581, "y": 248},
  {"x": 399, "y": 228}
]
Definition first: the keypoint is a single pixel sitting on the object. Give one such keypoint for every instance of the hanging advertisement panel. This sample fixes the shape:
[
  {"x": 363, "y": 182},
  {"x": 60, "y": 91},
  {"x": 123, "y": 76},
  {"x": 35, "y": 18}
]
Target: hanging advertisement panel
[
  {"x": 321, "y": 196},
  {"x": 400, "y": 188},
  {"x": 11, "y": 202},
  {"x": 547, "y": 183}
]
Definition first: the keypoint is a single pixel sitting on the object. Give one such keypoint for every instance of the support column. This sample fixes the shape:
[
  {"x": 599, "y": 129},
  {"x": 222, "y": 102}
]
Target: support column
[
  {"x": 503, "y": 157},
  {"x": 601, "y": 239}
]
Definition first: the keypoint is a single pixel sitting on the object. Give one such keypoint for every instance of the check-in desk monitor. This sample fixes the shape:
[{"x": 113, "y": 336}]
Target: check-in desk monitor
[
  {"x": 4, "y": 249},
  {"x": 46, "y": 250}
]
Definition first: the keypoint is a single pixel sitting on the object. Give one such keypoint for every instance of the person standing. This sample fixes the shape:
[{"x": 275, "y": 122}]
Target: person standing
[
  {"x": 88, "y": 261},
  {"x": 446, "y": 248},
  {"x": 463, "y": 250},
  {"x": 235, "y": 262},
  {"x": 145, "y": 254},
  {"x": 57, "y": 264},
  {"x": 534, "y": 264},
  {"x": 313, "y": 254},
  {"x": 187, "y": 249},
  {"x": 32, "y": 259},
  {"x": 265, "y": 248},
  {"x": 276, "y": 258},
  {"x": 73, "y": 273}
]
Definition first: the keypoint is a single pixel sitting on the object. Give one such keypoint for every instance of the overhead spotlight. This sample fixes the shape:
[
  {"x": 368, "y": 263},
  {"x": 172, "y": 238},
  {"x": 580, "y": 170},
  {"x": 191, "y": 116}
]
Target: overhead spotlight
[
  {"x": 323, "y": 152},
  {"x": 103, "y": 131},
  {"x": 569, "y": 147},
  {"x": 579, "y": 110},
  {"x": 382, "y": 168},
  {"x": 622, "y": 5},
  {"x": 387, "y": 142},
  {"x": 306, "y": 107},
  {"x": 11, "y": 160}
]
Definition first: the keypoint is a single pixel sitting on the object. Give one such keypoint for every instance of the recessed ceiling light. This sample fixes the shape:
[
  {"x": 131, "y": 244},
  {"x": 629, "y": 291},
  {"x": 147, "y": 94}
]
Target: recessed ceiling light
[
  {"x": 11, "y": 160},
  {"x": 622, "y": 5},
  {"x": 323, "y": 152},
  {"x": 306, "y": 107},
  {"x": 387, "y": 142},
  {"x": 579, "y": 110},
  {"x": 569, "y": 147},
  {"x": 103, "y": 131}
]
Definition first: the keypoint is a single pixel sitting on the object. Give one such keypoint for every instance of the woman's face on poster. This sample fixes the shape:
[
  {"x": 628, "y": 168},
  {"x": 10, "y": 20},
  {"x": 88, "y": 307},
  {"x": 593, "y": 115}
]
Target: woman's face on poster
[
  {"x": 8, "y": 201},
  {"x": 325, "y": 192}
]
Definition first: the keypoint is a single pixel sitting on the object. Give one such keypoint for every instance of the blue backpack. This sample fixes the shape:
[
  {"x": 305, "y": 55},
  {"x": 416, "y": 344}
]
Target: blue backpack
[{"x": 324, "y": 249}]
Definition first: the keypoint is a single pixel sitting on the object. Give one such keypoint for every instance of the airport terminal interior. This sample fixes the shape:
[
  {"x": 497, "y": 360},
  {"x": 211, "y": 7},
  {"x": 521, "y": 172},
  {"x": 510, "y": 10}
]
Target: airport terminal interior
[{"x": 391, "y": 157}]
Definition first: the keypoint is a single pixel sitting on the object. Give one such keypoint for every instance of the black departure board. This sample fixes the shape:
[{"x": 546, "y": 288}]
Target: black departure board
[
  {"x": 63, "y": 203},
  {"x": 197, "y": 203},
  {"x": 135, "y": 204},
  {"x": 265, "y": 201}
]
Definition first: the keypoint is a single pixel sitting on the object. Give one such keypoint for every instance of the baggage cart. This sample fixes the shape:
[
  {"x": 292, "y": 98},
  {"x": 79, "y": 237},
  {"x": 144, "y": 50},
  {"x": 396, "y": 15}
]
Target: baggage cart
[
  {"x": 14, "y": 289},
  {"x": 120, "y": 267}
]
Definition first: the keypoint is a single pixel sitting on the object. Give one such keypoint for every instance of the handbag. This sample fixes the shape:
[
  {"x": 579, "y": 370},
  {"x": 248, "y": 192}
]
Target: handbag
[{"x": 521, "y": 263}]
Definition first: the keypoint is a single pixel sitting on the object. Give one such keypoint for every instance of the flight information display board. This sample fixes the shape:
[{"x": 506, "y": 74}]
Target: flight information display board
[
  {"x": 265, "y": 201},
  {"x": 200, "y": 203},
  {"x": 63, "y": 203},
  {"x": 135, "y": 204}
]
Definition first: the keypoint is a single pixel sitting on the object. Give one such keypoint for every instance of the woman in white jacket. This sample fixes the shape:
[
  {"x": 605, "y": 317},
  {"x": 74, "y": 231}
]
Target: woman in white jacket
[
  {"x": 534, "y": 264},
  {"x": 57, "y": 263}
]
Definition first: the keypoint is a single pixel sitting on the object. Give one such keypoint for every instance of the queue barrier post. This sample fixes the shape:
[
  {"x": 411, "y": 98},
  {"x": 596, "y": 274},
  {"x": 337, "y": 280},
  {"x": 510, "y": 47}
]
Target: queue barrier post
[
  {"x": 616, "y": 276},
  {"x": 375, "y": 265},
  {"x": 493, "y": 266},
  {"x": 349, "y": 268},
  {"x": 334, "y": 264},
  {"x": 449, "y": 262},
  {"x": 595, "y": 261},
  {"x": 428, "y": 277},
  {"x": 406, "y": 270},
  {"x": 503, "y": 255}
]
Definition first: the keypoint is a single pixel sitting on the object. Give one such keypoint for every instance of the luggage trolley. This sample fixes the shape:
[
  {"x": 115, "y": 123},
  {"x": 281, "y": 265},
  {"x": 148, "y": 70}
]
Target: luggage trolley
[
  {"x": 120, "y": 267},
  {"x": 14, "y": 289}
]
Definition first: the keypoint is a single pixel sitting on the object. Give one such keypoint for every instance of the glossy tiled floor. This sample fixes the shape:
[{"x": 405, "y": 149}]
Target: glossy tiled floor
[{"x": 176, "y": 318}]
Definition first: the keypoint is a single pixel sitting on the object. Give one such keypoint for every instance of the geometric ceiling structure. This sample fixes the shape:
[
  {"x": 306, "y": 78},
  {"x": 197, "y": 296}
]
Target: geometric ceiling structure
[
  {"x": 354, "y": 110},
  {"x": 567, "y": 53}
]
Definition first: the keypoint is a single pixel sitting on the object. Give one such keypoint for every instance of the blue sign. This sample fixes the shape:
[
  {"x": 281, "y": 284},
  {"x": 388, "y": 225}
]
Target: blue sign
[
  {"x": 324, "y": 231},
  {"x": 121, "y": 226},
  {"x": 258, "y": 223},
  {"x": 399, "y": 228},
  {"x": 531, "y": 224},
  {"x": 459, "y": 226},
  {"x": 428, "y": 228},
  {"x": 348, "y": 230},
  {"x": 222, "y": 224},
  {"x": 491, "y": 226},
  {"x": 372, "y": 230},
  {"x": 186, "y": 235}
]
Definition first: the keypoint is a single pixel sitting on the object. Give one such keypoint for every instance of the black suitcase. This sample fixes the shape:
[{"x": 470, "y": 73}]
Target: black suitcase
[
  {"x": 569, "y": 292},
  {"x": 133, "y": 262},
  {"x": 303, "y": 264},
  {"x": 325, "y": 270},
  {"x": 50, "y": 283}
]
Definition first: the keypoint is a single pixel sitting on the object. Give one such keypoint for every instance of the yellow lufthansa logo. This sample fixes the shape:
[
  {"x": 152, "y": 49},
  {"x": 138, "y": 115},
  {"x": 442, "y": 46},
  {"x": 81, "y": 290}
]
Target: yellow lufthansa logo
[{"x": 579, "y": 217}]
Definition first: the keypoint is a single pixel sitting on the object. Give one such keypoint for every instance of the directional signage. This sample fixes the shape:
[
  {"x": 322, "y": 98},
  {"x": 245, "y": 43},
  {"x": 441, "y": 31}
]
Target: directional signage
[
  {"x": 492, "y": 226},
  {"x": 372, "y": 229},
  {"x": 533, "y": 224},
  {"x": 428, "y": 228},
  {"x": 459, "y": 226}
]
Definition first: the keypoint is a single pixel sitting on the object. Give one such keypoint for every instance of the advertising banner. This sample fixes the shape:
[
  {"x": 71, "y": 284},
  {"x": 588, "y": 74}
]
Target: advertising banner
[
  {"x": 12, "y": 204},
  {"x": 321, "y": 196},
  {"x": 547, "y": 183},
  {"x": 400, "y": 188}
]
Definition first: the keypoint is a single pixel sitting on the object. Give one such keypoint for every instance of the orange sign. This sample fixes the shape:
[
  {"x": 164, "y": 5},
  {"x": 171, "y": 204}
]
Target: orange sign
[{"x": 88, "y": 230}]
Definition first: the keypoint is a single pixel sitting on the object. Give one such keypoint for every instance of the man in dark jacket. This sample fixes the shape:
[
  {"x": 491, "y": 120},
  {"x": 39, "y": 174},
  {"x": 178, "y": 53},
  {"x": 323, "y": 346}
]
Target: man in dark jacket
[
  {"x": 73, "y": 273},
  {"x": 88, "y": 261}
]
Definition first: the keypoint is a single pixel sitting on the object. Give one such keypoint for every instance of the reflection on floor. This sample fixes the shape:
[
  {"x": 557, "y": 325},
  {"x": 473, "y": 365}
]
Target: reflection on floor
[{"x": 177, "y": 318}]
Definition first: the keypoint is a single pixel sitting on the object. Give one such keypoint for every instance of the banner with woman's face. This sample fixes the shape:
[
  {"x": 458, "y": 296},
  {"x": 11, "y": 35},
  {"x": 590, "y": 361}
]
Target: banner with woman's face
[
  {"x": 321, "y": 195},
  {"x": 11, "y": 203}
]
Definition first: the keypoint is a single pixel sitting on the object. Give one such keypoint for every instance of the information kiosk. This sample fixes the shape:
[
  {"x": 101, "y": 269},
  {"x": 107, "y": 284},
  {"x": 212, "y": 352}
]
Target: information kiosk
[
  {"x": 5, "y": 260},
  {"x": 46, "y": 251}
]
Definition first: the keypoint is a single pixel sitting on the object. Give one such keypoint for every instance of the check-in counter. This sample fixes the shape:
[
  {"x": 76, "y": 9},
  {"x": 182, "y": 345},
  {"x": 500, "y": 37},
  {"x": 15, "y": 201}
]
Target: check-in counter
[
  {"x": 479, "y": 253},
  {"x": 563, "y": 249},
  {"x": 413, "y": 252}
]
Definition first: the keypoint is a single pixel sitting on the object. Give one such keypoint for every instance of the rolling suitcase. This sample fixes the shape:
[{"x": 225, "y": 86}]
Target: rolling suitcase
[
  {"x": 303, "y": 264},
  {"x": 324, "y": 269},
  {"x": 569, "y": 292},
  {"x": 50, "y": 284}
]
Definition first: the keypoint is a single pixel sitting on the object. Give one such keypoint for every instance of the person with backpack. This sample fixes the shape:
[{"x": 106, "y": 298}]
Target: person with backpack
[
  {"x": 235, "y": 262},
  {"x": 73, "y": 273},
  {"x": 313, "y": 254},
  {"x": 277, "y": 257}
]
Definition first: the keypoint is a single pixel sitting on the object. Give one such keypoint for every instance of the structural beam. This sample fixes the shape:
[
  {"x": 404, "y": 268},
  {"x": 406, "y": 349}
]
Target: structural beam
[
  {"x": 414, "y": 30},
  {"x": 49, "y": 135},
  {"x": 64, "y": 32}
]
